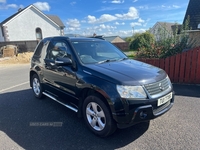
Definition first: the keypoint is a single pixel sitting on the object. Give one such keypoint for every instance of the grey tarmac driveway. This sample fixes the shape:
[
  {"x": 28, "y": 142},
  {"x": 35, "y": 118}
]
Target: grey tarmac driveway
[{"x": 178, "y": 129}]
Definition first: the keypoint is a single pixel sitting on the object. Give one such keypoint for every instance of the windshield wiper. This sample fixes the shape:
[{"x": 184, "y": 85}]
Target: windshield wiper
[
  {"x": 107, "y": 60},
  {"x": 123, "y": 59}
]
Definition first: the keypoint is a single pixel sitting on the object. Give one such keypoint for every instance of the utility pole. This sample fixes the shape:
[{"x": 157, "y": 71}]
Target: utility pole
[{"x": 133, "y": 30}]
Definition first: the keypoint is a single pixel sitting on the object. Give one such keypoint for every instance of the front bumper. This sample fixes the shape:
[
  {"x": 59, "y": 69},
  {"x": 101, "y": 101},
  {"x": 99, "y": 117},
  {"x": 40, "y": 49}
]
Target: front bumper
[{"x": 145, "y": 111}]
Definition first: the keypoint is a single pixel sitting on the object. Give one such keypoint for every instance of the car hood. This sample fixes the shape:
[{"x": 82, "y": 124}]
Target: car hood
[{"x": 127, "y": 72}]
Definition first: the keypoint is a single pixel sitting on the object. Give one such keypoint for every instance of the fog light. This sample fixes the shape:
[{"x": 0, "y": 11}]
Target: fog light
[{"x": 143, "y": 115}]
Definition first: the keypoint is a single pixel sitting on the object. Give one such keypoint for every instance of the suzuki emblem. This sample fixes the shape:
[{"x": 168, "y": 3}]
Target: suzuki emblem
[{"x": 161, "y": 87}]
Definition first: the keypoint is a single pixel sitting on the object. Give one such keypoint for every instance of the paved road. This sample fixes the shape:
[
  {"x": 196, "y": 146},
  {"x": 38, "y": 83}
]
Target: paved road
[
  {"x": 20, "y": 114},
  {"x": 13, "y": 75}
]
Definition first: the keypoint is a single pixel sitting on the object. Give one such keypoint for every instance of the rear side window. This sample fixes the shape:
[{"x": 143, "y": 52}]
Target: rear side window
[{"x": 39, "y": 49}]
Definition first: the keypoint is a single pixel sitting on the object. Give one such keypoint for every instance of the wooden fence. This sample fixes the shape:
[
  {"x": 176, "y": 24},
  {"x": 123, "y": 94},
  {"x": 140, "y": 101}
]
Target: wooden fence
[{"x": 181, "y": 68}]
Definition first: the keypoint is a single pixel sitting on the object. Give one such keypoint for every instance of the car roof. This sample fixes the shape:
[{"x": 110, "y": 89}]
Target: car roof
[
  {"x": 85, "y": 39},
  {"x": 75, "y": 38}
]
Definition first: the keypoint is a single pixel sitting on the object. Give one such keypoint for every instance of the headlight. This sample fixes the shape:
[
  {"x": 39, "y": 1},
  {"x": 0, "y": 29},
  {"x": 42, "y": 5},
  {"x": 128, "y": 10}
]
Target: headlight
[{"x": 136, "y": 92}]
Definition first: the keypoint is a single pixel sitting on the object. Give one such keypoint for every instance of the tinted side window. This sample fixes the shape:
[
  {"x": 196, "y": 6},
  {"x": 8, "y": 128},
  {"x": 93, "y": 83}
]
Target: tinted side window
[
  {"x": 39, "y": 49},
  {"x": 58, "y": 49}
]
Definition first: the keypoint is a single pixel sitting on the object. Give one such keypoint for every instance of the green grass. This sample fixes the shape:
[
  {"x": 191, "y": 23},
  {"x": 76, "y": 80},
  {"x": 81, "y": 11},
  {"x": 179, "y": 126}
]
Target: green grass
[{"x": 131, "y": 54}]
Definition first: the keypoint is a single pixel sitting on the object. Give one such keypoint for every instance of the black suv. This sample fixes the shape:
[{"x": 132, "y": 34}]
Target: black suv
[{"x": 95, "y": 79}]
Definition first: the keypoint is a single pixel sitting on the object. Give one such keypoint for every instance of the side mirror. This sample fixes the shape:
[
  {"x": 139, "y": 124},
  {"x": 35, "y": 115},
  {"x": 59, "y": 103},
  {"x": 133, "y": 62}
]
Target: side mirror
[{"x": 65, "y": 61}]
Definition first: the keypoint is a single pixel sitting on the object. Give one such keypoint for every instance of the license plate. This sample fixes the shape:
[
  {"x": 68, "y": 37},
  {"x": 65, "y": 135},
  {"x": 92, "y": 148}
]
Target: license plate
[{"x": 164, "y": 99}]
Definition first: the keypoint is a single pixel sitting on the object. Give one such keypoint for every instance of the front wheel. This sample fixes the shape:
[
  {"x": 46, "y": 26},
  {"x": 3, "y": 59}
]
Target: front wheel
[
  {"x": 37, "y": 87},
  {"x": 98, "y": 117}
]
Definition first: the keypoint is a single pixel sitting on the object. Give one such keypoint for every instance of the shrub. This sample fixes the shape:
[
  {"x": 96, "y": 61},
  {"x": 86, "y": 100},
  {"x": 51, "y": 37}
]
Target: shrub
[{"x": 164, "y": 45}]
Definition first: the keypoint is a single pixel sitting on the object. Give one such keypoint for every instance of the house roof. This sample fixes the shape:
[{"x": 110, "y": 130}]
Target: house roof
[
  {"x": 110, "y": 38},
  {"x": 193, "y": 13},
  {"x": 167, "y": 26},
  {"x": 55, "y": 19}
]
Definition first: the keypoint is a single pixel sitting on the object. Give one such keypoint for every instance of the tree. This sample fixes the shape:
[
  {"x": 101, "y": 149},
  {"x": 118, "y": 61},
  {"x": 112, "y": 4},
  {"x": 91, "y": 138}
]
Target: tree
[
  {"x": 166, "y": 44},
  {"x": 142, "y": 40}
]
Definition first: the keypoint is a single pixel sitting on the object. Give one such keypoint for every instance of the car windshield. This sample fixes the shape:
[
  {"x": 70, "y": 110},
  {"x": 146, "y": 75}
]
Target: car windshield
[{"x": 90, "y": 52}]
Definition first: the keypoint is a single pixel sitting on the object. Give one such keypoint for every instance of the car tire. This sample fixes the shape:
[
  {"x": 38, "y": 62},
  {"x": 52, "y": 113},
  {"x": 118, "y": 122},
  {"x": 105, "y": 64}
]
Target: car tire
[
  {"x": 98, "y": 117},
  {"x": 37, "y": 87}
]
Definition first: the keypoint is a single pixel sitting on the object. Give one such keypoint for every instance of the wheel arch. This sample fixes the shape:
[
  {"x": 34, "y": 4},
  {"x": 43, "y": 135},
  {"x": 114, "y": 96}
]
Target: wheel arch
[
  {"x": 32, "y": 72},
  {"x": 92, "y": 91}
]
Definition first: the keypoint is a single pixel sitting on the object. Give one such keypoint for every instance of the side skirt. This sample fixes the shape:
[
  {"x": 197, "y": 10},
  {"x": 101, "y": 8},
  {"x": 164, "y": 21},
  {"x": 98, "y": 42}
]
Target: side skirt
[{"x": 64, "y": 104}]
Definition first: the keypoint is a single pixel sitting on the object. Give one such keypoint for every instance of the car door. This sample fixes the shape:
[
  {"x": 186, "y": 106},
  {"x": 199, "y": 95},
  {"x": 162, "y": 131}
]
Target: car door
[{"x": 61, "y": 78}]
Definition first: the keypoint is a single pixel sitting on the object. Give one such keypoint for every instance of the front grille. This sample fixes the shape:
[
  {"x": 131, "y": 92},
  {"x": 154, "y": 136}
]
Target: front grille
[
  {"x": 157, "y": 110},
  {"x": 157, "y": 87}
]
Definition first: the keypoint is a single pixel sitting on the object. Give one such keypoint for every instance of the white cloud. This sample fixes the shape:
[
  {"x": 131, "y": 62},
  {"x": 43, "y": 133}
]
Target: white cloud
[
  {"x": 99, "y": 29},
  {"x": 117, "y": 1},
  {"x": 169, "y": 7},
  {"x": 135, "y": 1},
  {"x": 72, "y": 3},
  {"x": 121, "y": 33},
  {"x": 91, "y": 19},
  {"x": 132, "y": 14},
  {"x": 175, "y": 6},
  {"x": 103, "y": 26},
  {"x": 146, "y": 22},
  {"x": 102, "y": 19},
  {"x": 140, "y": 20},
  {"x": 73, "y": 23},
  {"x": 117, "y": 23},
  {"x": 144, "y": 7},
  {"x": 125, "y": 32},
  {"x": 2, "y": 1},
  {"x": 43, "y": 6},
  {"x": 83, "y": 21},
  {"x": 106, "y": 18},
  {"x": 133, "y": 24},
  {"x": 12, "y": 6},
  {"x": 163, "y": 6},
  {"x": 21, "y": 6},
  {"x": 140, "y": 30},
  {"x": 71, "y": 29},
  {"x": 7, "y": 6}
]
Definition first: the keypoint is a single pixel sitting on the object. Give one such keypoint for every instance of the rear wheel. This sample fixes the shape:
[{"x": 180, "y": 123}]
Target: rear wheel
[
  {"x": 37, "y": 87},
  {"x": 98, "y": 117}
]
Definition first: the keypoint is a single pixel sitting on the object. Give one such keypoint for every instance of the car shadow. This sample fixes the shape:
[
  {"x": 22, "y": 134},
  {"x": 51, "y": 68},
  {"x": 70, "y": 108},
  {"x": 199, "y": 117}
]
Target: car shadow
[
  {"x": 187, "y": 90},
  {"x": 45, "y": 124}
]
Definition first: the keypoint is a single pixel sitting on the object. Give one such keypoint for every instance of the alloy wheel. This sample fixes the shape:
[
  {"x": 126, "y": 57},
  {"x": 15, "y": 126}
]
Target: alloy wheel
[{"x": 95, "y": 116}]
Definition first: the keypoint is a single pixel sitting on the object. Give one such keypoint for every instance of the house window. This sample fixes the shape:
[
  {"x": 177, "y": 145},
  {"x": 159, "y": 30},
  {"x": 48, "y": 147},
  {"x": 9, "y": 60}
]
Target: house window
[{"x": 38, "y": 33}]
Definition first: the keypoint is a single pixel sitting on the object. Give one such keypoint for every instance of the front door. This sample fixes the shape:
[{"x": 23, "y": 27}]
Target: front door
[{"x": 62, "y": 78}]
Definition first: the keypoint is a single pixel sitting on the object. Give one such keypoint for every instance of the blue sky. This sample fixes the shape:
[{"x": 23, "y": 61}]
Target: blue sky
[{"x": 104, "y": 17}]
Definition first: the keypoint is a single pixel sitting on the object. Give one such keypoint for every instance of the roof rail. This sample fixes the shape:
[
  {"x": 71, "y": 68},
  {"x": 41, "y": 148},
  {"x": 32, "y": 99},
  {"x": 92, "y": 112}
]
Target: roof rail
[{"x": 98, "y": 37}]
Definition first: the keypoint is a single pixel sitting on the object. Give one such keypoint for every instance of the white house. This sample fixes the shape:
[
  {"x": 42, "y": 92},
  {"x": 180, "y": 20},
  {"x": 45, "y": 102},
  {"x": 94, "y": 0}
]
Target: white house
[
  {"x": 30, "y": 24},
  {"x": 164, "y": 29}
]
